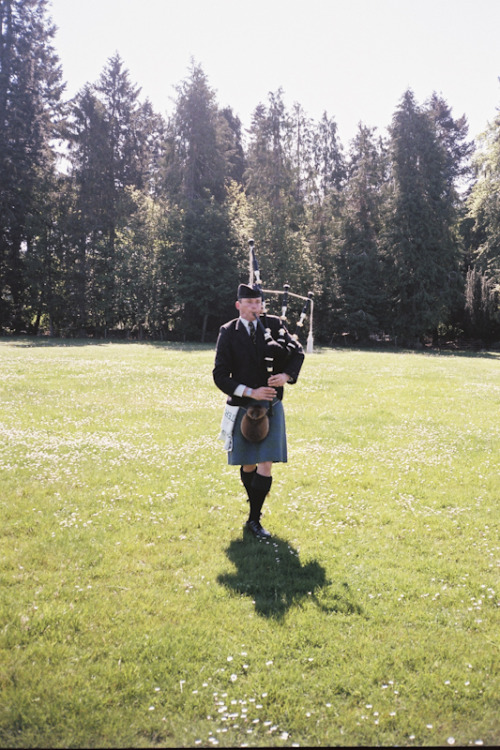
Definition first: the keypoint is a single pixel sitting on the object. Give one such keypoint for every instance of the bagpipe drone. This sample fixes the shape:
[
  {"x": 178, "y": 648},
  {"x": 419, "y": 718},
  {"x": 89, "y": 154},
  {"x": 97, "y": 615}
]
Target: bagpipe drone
[{"x": 307, "y": 309}]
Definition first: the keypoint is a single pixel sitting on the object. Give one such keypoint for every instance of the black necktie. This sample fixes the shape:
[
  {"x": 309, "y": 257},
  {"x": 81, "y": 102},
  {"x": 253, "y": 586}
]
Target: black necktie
[{"x": 252, "y": 333}]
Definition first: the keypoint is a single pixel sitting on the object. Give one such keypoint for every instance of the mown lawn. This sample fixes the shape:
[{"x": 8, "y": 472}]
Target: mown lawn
[{"x": 135, "y": 613}]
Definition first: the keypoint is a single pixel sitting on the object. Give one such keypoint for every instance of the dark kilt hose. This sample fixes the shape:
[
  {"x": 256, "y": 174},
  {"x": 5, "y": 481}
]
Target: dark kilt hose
[{"x": 238, "y": 361}]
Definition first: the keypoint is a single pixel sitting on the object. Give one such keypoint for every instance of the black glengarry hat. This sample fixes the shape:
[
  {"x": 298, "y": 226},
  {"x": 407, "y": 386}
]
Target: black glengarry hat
[{"x": 248, "y": 292}]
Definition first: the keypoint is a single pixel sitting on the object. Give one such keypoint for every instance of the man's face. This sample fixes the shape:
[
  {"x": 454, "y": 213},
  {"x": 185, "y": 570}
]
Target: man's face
[{"x": 249, "y": 307}]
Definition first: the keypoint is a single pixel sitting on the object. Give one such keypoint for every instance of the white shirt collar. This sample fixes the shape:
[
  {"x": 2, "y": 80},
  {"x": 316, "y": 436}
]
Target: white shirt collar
[{"x": 248, "y": 323}]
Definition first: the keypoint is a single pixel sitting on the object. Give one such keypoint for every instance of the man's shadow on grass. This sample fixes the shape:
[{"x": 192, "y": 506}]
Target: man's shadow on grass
[{"x": 270, "y": 572}]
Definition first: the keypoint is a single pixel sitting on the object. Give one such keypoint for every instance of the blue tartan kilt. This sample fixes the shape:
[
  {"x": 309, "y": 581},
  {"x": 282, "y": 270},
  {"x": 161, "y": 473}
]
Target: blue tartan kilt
[{"x": 272, "y": 448}]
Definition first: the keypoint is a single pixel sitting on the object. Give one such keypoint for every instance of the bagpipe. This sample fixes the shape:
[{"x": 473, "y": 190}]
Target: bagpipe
[
  {"x": 255, "y": 422},
  {"x": 293, "y": 342}
]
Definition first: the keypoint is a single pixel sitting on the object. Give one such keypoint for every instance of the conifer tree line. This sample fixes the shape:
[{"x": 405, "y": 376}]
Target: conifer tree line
[{"x": 117, "y": 220}]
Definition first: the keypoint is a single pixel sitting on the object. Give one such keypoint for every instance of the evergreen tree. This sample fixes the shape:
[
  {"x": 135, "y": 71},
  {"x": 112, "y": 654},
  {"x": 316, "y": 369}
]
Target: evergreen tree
[
  {"x": 452, "y": 136},
  {"x": 115, "y": 145},
  {"x": 358, "y": 262},
  {"x": 90, "y": 273},
  {"x": 231, "y": 141},
  {"x": 278, "y": 162},
  {"x": 46, "y": 304},
  {"x": 198, "y": 146},
  {"x": 126, "y": 137},
  {"x": 324, "y": 209},
  {"x": 270, "y": 172},
  {"x": 203, "y": 155},
  {"x": 146, "y": 272},
  {"x": 482, "y": 306},
  {"x": 329, "y": 167},
  {"x": 30, "y": 95},
  {"x": 422, "y": 248},
  {"x": 484, "y": 203},
  {"x": 208, "y": 268}
]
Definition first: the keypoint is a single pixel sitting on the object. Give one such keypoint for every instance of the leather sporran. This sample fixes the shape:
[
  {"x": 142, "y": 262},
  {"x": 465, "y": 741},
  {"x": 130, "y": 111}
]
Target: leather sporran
[{"x": 255, "y": 424}]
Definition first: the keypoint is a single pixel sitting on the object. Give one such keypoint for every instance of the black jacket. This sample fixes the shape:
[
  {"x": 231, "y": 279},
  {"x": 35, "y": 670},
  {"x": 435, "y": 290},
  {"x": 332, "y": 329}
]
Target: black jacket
[{"x": 238, "y": 361}]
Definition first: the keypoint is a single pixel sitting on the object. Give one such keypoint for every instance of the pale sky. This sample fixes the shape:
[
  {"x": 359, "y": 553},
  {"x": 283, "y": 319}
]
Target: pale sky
[{"x": 353, "y": 59}]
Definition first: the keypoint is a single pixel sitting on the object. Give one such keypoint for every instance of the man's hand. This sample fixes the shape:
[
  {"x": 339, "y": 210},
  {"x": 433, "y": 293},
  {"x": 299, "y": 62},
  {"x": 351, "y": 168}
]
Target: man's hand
[
  {"x": 264, "y": 393},
  {"x": 278, "y": 380}
]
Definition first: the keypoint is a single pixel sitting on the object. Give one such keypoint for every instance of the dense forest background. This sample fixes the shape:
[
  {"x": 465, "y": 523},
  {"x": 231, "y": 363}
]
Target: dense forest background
[{"x": 118, "y": 221}]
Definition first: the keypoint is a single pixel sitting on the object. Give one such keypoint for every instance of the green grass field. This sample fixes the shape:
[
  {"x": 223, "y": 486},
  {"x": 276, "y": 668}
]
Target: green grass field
[{"x": 135, "y": 613}]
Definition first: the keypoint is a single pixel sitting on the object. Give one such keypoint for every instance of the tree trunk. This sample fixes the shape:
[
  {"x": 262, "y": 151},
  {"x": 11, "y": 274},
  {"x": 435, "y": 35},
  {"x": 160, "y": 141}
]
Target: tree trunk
[{"x": 204, "y": 328}]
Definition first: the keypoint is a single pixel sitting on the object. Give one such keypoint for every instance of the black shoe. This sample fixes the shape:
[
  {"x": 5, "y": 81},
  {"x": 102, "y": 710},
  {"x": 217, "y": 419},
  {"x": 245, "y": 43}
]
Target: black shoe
[{"x": 257, "y": 530}]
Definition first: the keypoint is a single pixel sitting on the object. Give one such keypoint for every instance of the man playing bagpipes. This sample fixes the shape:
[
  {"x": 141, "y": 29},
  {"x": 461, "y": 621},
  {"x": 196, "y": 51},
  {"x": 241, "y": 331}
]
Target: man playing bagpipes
[{"x": 251, "y": 368}]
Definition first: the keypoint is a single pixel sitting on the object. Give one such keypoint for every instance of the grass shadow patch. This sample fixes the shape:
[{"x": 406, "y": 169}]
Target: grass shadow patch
[
  {"x": 271, "y": 574},
  {"x": 48, "y": 342}
]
